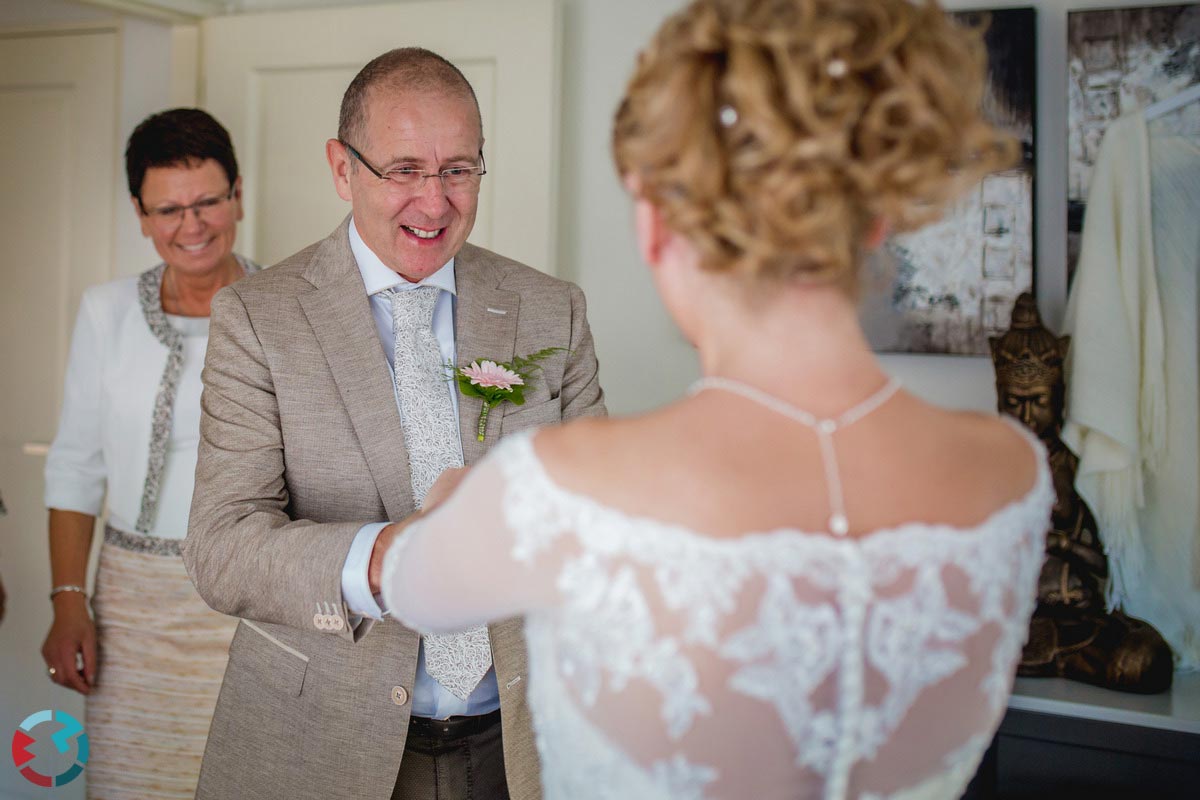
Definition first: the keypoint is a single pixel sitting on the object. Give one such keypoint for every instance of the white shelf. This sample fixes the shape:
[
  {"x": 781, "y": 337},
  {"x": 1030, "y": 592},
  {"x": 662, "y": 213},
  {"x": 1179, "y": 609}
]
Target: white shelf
[{"x": 1177, "y": 710}]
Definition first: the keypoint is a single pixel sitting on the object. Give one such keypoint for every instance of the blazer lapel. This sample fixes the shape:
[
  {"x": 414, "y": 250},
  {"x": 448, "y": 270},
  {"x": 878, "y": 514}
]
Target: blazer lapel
[
  {"x": 486, "y": 328},
  {"x": 340, "y": 315}
]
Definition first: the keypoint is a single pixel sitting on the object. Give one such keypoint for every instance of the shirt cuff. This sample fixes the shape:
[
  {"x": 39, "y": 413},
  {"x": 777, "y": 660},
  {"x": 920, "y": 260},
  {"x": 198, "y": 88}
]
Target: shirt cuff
[{"x": 356, "y": 589}]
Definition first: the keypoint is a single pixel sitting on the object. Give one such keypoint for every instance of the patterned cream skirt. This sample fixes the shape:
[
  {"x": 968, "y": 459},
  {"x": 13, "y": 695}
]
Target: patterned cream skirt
[{"x": 162, "y": 657}]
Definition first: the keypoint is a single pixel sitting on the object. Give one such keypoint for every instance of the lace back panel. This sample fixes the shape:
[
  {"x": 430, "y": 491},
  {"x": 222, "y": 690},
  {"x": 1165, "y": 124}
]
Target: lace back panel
[{"x": 736, "y": 668}]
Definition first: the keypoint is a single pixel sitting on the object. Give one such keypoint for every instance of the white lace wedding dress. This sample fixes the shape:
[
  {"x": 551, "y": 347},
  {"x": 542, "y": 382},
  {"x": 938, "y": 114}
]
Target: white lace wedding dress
[{"x": 782, "y": 664}]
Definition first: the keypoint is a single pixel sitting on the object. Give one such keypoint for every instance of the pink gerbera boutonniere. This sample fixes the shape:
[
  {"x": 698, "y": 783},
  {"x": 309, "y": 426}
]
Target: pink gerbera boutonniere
[{"x": 496, "y": 382}]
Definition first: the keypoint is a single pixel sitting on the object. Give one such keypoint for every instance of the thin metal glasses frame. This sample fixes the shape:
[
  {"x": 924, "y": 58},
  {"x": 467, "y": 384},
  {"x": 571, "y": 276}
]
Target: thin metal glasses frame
[{"x": 451, "y": 173}]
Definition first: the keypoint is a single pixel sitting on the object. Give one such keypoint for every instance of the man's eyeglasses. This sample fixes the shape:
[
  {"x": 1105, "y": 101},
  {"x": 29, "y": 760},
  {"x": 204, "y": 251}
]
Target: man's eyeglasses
[
  {"x": 172, "y": 216},
  {"x": 454, "y": 179}
]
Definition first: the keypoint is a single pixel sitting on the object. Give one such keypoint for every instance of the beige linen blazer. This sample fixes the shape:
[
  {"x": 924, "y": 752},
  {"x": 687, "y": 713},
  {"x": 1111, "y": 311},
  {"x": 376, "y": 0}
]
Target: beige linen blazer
[{"x": 300, "y": 446}]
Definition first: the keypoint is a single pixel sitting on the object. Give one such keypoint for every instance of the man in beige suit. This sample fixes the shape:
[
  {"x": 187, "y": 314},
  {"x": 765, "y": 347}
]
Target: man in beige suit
[{"x": 322, "y": 419}]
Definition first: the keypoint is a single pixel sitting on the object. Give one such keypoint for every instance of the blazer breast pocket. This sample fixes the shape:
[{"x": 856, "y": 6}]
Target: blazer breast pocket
[
  {"x": 520, "y": 418},
  {"x": 262, "y": 657}
]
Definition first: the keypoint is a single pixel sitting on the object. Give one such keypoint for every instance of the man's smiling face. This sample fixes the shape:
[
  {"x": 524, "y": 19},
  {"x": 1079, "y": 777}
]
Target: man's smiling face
[{"x": 413, "y": 231}]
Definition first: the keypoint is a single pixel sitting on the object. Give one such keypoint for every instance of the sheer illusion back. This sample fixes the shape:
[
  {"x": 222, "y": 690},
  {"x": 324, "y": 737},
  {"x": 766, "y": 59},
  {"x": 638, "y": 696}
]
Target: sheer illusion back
[{"x": 669, "y": 664}]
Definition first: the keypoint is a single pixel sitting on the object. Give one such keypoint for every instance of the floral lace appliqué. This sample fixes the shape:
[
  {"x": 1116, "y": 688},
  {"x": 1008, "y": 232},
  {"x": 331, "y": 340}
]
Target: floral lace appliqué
[{"x": 832, "y": 642}]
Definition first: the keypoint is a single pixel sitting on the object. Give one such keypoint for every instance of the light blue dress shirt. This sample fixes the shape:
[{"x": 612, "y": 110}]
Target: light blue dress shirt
[{"x": 430, "y": 698}]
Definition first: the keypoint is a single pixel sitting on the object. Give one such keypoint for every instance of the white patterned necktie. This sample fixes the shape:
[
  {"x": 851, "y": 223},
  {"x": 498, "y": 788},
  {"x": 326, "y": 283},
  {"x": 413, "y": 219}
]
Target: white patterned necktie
[{"x": 456, "y": 661}]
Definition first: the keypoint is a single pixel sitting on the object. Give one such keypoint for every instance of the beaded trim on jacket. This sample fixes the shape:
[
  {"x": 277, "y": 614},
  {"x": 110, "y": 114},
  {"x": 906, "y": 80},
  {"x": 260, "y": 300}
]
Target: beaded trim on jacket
[
  {"x": 142, "y": 543},
  {"x": 150, "y": 298}
]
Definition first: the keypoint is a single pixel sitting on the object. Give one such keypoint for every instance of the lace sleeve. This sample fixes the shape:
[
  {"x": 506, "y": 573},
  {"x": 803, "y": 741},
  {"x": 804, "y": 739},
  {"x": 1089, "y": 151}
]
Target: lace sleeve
[{"x": 456, "y": 567}]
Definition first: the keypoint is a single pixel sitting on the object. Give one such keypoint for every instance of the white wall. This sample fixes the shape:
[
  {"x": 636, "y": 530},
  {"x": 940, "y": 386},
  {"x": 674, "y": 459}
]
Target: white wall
[
  {"x": 145, "y": 84},
  {"x": 644, "y": 361}
]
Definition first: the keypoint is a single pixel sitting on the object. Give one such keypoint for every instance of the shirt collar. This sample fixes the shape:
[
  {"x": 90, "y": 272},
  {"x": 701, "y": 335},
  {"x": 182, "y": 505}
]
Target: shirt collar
[{"x": 377, "y": 276}]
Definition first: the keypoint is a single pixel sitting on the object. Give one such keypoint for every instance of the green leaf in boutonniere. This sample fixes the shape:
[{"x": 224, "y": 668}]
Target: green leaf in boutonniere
[{"x": 495, "y": 382}]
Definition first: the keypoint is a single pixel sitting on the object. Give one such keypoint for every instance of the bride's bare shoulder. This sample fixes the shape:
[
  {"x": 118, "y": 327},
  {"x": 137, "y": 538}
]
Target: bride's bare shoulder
[
  {"x": 597, "y": 451},
  {"x": 989, "y": 451},
  {"x": 584, "y": 439}
]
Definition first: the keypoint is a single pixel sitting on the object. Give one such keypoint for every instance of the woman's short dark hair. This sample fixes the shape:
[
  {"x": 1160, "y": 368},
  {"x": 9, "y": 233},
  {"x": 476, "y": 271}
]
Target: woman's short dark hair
[{"x": 178, "y": 137}]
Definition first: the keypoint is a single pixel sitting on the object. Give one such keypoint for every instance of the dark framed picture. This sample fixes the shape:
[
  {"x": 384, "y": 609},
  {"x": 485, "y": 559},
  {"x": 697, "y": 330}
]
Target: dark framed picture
[
  {"x": 1120, "y": 60},
  {"x": 950, "y": 285}
]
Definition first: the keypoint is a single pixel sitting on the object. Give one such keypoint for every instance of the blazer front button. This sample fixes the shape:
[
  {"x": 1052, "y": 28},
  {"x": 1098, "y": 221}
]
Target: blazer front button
[{"x": 399, "y": 695}]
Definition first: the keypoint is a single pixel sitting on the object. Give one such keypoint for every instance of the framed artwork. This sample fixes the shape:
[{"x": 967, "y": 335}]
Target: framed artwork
[
  {"x": 1119, "y": 60},
  {"x": 948, "y": 286}
]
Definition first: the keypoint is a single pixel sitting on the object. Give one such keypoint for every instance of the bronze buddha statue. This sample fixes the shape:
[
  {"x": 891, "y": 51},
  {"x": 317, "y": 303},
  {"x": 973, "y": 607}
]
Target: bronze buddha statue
[{"x": 1071, "y": 635}]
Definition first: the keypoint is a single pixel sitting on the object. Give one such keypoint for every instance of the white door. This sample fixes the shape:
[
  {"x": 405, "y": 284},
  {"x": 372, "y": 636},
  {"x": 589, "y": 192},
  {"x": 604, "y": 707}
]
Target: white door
[
  {"x": 58, "y": 157},
  {"x": 276, "y": 81}
]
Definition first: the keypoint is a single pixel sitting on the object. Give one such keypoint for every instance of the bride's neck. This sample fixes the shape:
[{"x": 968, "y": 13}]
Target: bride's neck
[{"x": 802, "y": 342}]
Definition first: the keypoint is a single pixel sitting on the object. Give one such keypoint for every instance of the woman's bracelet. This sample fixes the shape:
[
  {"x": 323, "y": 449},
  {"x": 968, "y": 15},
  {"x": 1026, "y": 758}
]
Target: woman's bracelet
[{"x": 67, "y": 587}]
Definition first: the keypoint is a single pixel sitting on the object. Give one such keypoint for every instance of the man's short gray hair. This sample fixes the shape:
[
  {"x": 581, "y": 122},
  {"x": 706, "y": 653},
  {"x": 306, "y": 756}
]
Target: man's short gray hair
[{"x": 402, "y": 69}]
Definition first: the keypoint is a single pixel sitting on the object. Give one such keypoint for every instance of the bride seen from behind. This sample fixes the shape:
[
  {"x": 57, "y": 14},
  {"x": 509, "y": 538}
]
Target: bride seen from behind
[{"x": 799, "y": 580}]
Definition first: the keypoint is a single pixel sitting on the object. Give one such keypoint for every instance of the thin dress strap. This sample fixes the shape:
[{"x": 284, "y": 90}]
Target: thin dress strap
[{"x": 824, "y": 428}]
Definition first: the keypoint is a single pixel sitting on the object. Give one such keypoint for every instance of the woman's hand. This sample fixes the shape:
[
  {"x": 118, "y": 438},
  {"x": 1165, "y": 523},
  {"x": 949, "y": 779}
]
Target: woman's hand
[
  {"x": 443, "y": 487},
  {"x": 72, "y": 638}
]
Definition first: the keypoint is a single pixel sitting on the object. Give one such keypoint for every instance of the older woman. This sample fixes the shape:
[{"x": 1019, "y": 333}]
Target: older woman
[
  {"x": 151, "y": 661},
  {"x": 799, "y": 580}
]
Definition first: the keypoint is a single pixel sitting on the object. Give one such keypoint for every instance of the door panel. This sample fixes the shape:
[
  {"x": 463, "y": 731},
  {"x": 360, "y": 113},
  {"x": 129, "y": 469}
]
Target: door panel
[{"x": 58, "y": 155}]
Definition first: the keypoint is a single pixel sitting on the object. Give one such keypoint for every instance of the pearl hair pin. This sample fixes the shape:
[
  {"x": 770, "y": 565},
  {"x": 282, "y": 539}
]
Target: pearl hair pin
[
  {"x": 728, "y": 116},
  {"x": 837, "y": 68}
]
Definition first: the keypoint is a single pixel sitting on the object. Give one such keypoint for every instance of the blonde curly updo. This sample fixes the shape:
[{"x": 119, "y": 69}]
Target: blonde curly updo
[{"x": 771, "y": 133}]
